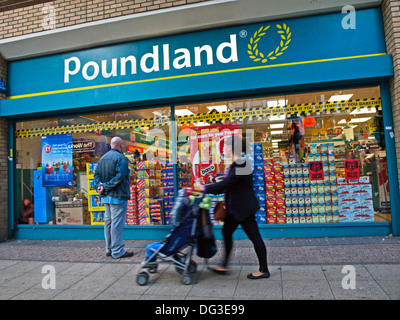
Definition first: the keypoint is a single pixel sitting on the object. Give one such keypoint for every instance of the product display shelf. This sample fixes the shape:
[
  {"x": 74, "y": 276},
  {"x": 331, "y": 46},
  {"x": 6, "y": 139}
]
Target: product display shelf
[{"x": 95, "y": 205}]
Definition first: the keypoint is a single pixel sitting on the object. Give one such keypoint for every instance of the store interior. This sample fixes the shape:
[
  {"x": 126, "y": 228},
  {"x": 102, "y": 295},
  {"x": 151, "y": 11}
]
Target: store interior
[{"x": 354, "y": 128}]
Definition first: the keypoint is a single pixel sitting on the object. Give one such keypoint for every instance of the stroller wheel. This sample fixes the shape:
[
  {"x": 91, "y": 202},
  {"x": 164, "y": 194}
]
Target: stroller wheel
[
  {"x": 187, "y": 279},
  {"x": 142, "y": 278}
]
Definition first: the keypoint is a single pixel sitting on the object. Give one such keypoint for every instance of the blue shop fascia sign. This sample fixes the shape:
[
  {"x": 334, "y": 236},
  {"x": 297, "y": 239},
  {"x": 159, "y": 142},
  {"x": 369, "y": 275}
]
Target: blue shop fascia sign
[{"x": 181, "y": 64}]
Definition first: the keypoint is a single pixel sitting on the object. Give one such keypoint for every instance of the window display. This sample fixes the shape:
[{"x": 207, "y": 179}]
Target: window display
[
  {"x": 317, "y": 157},
  {"x": 65, "y": 193}
]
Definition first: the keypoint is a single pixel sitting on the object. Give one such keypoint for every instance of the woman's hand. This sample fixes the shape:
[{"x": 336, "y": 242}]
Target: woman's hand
[{"x": 199, "y": 187}]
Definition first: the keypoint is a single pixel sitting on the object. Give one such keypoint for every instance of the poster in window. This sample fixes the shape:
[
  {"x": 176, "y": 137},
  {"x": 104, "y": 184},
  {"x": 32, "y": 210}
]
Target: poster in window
[
  {"x": 352, "y": 169},
  {"x": 207, "y": 151},
  {"x": 316, "y": 169},
  {"x": 57, "y": 160}
]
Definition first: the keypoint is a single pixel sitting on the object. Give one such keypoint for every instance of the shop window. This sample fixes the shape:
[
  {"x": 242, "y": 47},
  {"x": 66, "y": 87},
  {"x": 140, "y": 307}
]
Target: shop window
[
  {"x": 59, "y": 184},
  {"x": 318, "y": 157}
]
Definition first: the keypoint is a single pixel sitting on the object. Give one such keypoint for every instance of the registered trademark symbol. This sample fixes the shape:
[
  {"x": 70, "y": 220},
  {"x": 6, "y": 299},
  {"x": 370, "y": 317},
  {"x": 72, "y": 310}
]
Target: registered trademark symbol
[{"x": 243, "y": 34}]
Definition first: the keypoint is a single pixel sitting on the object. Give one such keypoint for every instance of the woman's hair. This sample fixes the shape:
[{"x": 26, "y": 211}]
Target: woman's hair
[{"x": 239, "y": 145}]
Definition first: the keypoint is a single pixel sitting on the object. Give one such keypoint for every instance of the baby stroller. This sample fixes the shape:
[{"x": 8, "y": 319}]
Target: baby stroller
[{"x": 193, "y": 227}]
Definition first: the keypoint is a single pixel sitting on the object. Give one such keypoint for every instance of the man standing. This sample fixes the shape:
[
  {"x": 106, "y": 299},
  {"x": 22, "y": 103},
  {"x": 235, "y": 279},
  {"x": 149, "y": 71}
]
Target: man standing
[{"x": 112, "y": 182}]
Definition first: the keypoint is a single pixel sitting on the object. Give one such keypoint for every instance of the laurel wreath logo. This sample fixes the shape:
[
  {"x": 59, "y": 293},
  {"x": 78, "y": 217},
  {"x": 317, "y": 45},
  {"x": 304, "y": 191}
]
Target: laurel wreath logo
[{"x": 256, "y": 55}]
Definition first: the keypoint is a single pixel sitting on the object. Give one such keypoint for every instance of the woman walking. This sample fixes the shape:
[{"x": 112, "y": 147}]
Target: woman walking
[{"x": 242, "y": 205}]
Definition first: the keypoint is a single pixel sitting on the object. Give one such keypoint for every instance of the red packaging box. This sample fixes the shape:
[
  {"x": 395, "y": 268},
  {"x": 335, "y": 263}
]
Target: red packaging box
[
  {"x": 271, "y": 219},
  {"x": 280, "y": 218}
]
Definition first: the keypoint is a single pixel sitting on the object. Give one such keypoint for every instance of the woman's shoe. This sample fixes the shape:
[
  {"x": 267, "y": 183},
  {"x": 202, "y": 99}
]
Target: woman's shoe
[
  {"x": 265, "y": 275},
  {"x": 220, "y": 270}
]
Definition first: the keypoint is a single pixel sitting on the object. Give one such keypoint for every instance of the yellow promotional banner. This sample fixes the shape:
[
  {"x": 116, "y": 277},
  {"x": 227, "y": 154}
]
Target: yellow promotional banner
[{"x": 233, "y": 115}]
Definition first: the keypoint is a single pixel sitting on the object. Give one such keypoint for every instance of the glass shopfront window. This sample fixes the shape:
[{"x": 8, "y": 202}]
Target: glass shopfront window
[
  {"x": 318, "y": 157},
  {"x": 57, "y": 158}
]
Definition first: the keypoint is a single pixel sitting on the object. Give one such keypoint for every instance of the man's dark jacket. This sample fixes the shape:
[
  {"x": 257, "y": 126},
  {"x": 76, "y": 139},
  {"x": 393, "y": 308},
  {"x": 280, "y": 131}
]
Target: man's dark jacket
[
  {"x": 113, "y": 174},
  {"x": 239, "y": 190}
]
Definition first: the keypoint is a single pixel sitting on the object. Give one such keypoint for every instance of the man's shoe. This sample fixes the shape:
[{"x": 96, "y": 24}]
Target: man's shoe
[
  {"x": 108, "y": 254},
  {"x": 127, "y": 254}
]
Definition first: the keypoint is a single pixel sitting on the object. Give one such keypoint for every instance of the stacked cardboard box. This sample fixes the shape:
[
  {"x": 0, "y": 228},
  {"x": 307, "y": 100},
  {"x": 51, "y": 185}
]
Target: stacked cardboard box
[
  {"x": 72, "y": 212},
  {"x": 155, "y": 211},
  {"x": 131, "y": 212},
  {"x": 95, "y": 204},
  {"x": 297, "y": 192},
  {"x": 168, "y": 183},
  {"x": 184, "y": 174},
  {"x": 257, "y": 160},
  {"x": 148, "y": 176},
  {"x": 167, "y": 176},
  {"x": 324, "y": 191},
  {"x": 355, "y": 201},
  {"x": 274, "y": 190}
]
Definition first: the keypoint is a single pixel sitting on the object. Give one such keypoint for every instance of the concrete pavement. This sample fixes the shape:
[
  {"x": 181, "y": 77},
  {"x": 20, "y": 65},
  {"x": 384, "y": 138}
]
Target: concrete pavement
[{"x": 312, "y": 268}]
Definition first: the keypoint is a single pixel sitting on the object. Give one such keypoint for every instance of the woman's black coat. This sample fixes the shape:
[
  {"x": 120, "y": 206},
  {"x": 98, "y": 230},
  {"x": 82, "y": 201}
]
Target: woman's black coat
[{"x": 239, "y": 190}]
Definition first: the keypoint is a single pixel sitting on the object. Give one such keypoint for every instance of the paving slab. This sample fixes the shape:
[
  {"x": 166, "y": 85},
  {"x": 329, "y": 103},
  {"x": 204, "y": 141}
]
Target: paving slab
[{"x": 301, "y": 269}]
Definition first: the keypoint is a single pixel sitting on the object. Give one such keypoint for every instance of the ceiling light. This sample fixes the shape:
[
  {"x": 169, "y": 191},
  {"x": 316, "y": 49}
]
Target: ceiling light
[
  {"x": 340, "y": 97},
  {"x": 277, "y": 132},
  {"x": 218, "y": 108},
  {"x": 276, "y": 103},
  {"x": 355, "y": 120},
  {"x": 276, "y": 140},
  {"x": 277, "y": 125},
  {"x": 183, "y": 112},
  {"x": 201, "y": 124},
  {"x": 350, "y": 126},
  {"x": 363, "y": 111},
  {"x": 277, "y": 118},
  {"x": 158, "y": 113}
]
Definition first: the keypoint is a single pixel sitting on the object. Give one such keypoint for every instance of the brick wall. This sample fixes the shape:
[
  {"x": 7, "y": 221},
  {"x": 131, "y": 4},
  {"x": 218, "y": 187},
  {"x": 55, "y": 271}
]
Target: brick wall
[
  {"x": 391, "y": 22},
  {"x": 3, "y": 163},
  {"x": 36, "y": 18}
]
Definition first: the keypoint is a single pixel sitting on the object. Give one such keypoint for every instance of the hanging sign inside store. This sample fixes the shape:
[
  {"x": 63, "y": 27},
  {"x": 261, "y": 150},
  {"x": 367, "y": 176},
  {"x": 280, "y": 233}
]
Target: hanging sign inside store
[
  {"x": 83, "y": 145},
  {"x": 261, "y": 113},
  {"x": 316, "y": 169},
  {"x": 132, "y": 149},
  {"x": 57, "y": 160},
  {"x": 352, "y": 169}
]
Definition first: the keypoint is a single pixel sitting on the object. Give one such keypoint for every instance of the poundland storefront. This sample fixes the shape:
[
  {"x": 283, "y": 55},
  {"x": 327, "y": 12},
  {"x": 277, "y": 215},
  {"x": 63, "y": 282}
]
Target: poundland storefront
[{"x": 310, "y": 95}]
